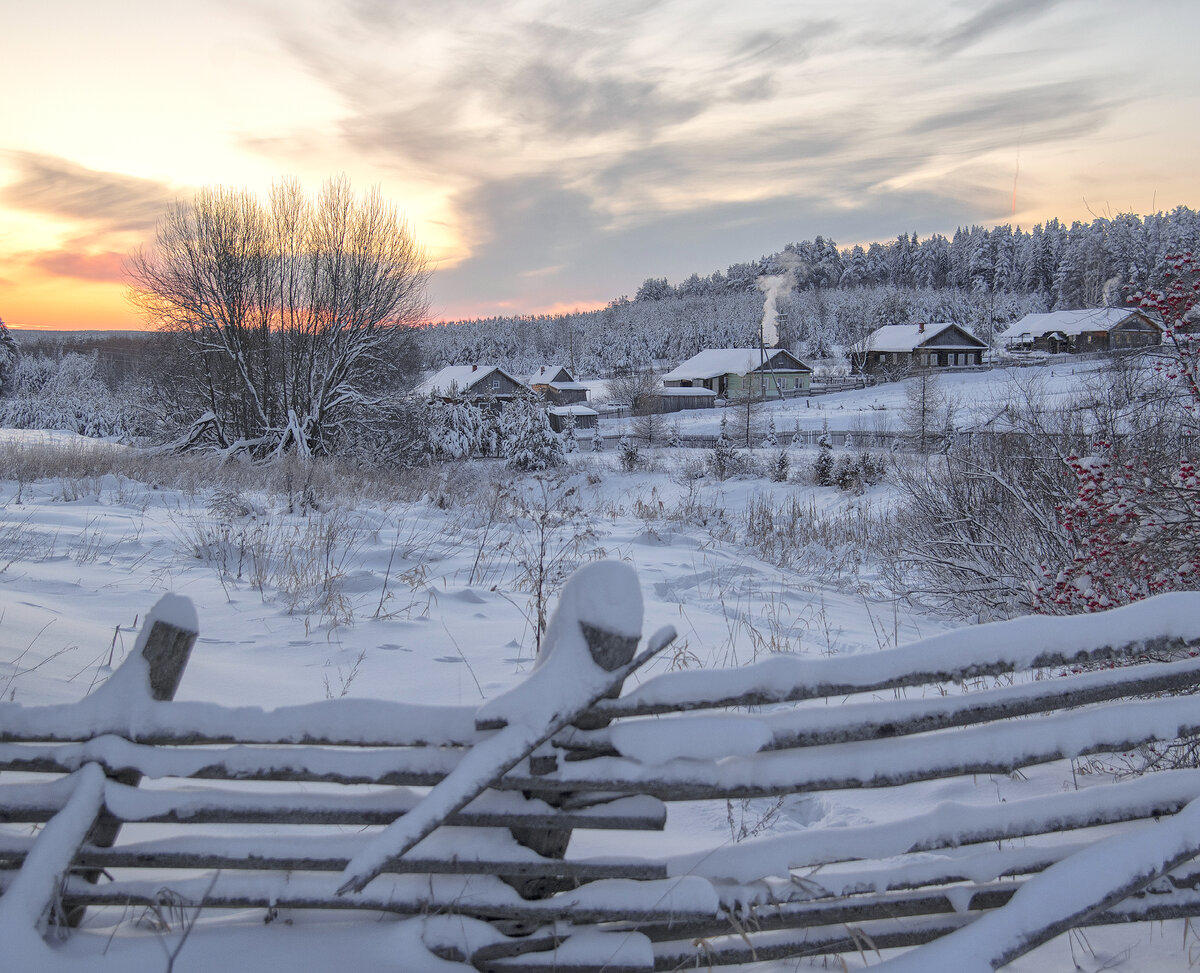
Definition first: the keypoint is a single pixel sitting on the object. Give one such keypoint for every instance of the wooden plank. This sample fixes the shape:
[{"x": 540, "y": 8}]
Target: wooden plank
[
  {"x": 155, "y": 667},
  {"x": 30, "y": 895},
  {"x": 334, "y": 722},
  {"x": 1148, "y": 628},
  {"x": 39, "y": 802},
  {"x": 418, "y": 767},
  {"x": 481, "y": 896},
  {"x": 611, "y": 660},
  {"x": 998, "y": 748},
  {"x": 733, "y": 947},
  {"x": 301, "y": 854},
  {"x": 879, "y": 719}
]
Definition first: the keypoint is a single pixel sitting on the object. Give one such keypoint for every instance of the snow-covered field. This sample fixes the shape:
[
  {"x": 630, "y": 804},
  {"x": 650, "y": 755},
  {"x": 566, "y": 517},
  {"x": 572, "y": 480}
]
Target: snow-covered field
[{"x": 424, "y": 594}]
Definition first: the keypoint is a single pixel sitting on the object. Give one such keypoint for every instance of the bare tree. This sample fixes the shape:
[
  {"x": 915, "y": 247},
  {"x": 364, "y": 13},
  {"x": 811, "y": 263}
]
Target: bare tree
[
  {"x": 289, "y": 312},
  {"x": 926, "y": 409},
  {"x": 640, "y": 390}
]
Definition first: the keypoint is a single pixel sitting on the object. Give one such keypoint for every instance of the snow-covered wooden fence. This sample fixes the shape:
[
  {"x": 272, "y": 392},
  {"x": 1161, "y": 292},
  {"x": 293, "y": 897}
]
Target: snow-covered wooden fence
[{"x": 471, "y": 810}]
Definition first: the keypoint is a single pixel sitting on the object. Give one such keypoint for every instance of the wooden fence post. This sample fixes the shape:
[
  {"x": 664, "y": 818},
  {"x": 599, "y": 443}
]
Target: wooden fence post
[
  {"x": 166, "y": 648},
  {"x": 610, "y": 651}
]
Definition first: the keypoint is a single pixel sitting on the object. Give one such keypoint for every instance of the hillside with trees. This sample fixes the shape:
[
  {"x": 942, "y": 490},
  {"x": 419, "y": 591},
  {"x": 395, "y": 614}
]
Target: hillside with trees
[{"x": 983, "y": 279}]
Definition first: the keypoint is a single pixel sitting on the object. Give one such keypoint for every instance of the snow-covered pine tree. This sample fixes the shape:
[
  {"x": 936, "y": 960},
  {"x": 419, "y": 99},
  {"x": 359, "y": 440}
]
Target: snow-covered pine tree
[
  {"x": 528, "y": 441},
  {"x": 597, "y": 439},
  {"x": 723, "y": 459},
  {"x": 8, "y": 357},
  {"x": 771, "y": 439},
  {"x": 823, "y": 464},
  {"x": 570, "y": 444},
  {"x": 780, "y": 466}
]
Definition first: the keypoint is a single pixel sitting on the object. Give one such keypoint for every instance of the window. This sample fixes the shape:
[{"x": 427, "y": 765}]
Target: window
[{"x": 495, "y": 382}]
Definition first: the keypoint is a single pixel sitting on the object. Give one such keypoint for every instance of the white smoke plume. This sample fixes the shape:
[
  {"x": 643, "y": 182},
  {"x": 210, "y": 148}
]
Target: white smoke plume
[{"x": 774, "y": 286}]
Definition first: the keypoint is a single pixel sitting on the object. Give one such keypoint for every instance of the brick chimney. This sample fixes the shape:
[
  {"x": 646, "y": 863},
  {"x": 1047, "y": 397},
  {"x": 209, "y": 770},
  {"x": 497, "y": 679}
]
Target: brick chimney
[{"x": 921, "y": 328}]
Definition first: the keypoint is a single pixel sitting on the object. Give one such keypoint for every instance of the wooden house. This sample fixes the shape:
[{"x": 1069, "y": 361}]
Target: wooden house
[
  {"x": 1089, "y": 329},
  {"x": 557, "y": 385},
  {"x": 457, "y": 382},
  {"x": 901, "y": 347},
  {"x": 737, "y": 371}
]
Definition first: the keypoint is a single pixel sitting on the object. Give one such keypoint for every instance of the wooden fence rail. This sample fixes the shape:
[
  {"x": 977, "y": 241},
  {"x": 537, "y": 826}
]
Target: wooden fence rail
[{"x": 418, "y": 810}]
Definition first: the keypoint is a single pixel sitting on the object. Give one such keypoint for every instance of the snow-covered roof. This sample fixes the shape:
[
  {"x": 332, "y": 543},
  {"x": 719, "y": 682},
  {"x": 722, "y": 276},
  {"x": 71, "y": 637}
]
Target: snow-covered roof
[
  {"x": 688, "y": 390},
  {"x": 907, "y": 337},
  {"x": 461, "y": 377},
  {"x": 1074, "y": 322},
  {"x": 572, "y": 410},
  {"x": 569, "y": 386},
  {"x": 545, "y": 374},
  {"x": 723, "y": 361}
]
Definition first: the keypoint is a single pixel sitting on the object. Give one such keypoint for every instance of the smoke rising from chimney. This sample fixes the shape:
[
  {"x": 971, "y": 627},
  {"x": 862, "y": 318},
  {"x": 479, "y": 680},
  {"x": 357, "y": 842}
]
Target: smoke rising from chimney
[{"x": 772, "y": 287}]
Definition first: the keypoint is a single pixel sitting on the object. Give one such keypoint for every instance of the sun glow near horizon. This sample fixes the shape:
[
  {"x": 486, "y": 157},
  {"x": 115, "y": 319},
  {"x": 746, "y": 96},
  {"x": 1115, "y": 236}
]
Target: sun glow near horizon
[{"x": 552, "y": 158}]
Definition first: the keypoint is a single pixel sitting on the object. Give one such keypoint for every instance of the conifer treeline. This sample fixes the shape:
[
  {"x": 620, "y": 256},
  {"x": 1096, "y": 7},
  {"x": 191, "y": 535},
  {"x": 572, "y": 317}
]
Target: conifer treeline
[{"x": 983, "y": 279}]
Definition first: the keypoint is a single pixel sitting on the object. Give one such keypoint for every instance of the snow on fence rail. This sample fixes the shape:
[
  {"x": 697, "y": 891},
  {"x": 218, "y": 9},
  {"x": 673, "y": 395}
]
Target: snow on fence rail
[{"x": 471, "y": 810}]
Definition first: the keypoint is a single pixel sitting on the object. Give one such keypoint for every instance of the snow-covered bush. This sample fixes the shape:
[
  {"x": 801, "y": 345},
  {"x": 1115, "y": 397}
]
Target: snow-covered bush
[
  {"x": 67, "y": 395},
  {"x": 456, "y": 429},
  {"x": 628, "y": 452},
  {"x": 597, "y": 440}
]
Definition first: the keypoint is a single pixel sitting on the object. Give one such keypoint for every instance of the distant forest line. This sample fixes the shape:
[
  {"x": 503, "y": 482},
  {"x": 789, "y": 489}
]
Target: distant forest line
[{"x": 982, "y": 279}]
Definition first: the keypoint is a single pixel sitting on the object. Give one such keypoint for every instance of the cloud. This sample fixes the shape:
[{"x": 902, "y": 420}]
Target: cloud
[
  {"x": 60, "y": 188},
  {"x": 1044, "y": 112},
  {"x": 996, "y": 16},
  {"x": 542, "y": 223},
  {"x": 104, "y": 267}
]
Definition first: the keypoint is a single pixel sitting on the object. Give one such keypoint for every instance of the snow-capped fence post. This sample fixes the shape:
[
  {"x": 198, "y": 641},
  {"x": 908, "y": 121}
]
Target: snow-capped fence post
[
  {"x": 610, "y": 651},
  {"x": 152, "y": 670}
]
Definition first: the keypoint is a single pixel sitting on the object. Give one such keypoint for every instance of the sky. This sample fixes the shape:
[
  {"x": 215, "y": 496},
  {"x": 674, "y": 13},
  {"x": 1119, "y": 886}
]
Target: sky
[{"x": 552, "y": 156}]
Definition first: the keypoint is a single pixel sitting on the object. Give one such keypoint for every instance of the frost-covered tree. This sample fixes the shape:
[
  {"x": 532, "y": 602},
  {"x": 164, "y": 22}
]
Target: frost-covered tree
[
  {"x": 291, "y": 310},
  {"x": 67, "y": 395},
  {"x": 8, "y": 357},
  {"x": 456, "y": 429},
  {"x": 528, "y": 442}
]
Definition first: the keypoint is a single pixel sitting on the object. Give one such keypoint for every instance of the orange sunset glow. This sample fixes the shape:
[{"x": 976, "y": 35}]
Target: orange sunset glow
[{"x": 551, "y": 157}]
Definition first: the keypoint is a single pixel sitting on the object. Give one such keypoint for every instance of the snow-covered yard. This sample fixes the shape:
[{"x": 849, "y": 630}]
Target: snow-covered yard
[{"x": 425, "y": 593}]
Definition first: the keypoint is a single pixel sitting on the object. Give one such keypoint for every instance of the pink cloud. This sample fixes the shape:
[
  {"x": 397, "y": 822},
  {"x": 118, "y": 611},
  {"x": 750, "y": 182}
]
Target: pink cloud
[{"x": 103, "y": 266}]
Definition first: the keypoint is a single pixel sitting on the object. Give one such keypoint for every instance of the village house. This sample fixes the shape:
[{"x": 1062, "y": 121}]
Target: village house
[
  {"x": 557, "y": 385},
  {"x": 737, "y": 371},
  {"x": 456, "y": 382},
  {"x": 1078, "y": 332},
  {"x": 900, "y": 347}
]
